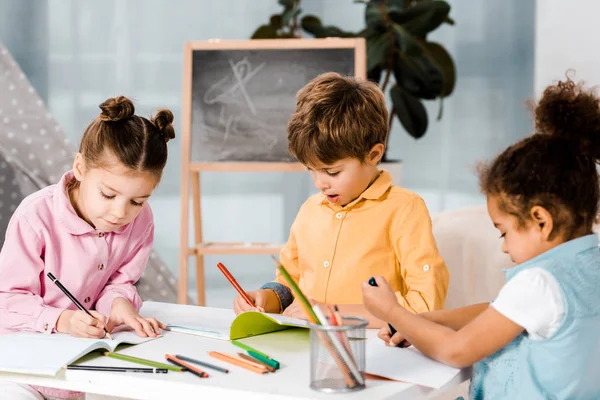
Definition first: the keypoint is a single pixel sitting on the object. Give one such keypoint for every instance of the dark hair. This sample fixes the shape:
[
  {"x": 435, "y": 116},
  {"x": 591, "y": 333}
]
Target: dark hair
[
  {"x": 556, "y": 167},
  {"x": 337, "y": 117},
  {"x": 138, "y": 143}
]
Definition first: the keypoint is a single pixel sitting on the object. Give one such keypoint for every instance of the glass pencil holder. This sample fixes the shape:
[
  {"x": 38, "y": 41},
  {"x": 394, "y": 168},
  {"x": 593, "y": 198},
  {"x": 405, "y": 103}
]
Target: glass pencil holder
[{"x": 337, "y": 356}]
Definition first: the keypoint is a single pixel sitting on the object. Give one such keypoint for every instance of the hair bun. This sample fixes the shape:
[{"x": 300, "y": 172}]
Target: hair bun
[
  {"x": 570, "y": 111},
  {"x": 116, "y": 109},
  {"x": 163, "y": 120}
]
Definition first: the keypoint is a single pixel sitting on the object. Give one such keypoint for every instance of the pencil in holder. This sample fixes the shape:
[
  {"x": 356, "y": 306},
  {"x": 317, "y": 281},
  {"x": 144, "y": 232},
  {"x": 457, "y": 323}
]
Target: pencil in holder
[{"x": 337, "y": 356}]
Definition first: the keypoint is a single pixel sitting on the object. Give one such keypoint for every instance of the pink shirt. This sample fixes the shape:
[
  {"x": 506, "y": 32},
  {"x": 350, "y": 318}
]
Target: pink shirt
[{"x": 45, "y": 234}]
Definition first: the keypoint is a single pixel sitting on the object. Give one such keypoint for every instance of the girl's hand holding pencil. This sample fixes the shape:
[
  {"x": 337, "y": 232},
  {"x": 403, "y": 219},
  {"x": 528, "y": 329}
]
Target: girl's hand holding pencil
[
  {"x": 123, "y": 313},
  {"x": 80, "y": 324}
]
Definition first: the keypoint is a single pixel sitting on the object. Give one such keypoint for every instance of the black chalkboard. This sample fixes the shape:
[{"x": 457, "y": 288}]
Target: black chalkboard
[{"x": 242, "y": 99}]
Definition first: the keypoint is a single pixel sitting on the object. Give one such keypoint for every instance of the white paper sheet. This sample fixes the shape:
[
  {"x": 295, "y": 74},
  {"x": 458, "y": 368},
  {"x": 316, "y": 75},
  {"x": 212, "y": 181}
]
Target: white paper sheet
[{"x": 407, "y": 365}]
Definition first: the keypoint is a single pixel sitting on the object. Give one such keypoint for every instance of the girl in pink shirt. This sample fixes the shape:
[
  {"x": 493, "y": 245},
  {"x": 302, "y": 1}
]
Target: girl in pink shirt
[{"x": 93, "y": 231}]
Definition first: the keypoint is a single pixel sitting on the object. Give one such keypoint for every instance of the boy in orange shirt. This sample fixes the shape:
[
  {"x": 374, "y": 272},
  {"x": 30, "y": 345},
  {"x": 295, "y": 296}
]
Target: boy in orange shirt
[{"x": 360, "y": 225}]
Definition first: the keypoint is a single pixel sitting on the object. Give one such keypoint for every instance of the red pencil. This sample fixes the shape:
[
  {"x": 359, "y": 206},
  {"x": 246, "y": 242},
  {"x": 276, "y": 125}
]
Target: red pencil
[{"x": 236, "y": 285}]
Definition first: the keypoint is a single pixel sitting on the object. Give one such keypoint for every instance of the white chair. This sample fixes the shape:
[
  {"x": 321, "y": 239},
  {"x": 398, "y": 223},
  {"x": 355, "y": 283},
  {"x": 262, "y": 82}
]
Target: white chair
[{"x": 471, "y": 247}]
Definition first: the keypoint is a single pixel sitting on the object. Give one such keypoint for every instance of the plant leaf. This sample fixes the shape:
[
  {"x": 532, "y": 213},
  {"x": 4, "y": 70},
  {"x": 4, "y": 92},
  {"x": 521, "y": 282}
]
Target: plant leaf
[
  {"x": 406, "y": 42},
  {"x": 287, "y": 3},
  {"x": 418, "y": 75},
  {"x": 423, "y": 17},
  {"x": 374, "y": 74},
  {"x": 410, "y": 111},
  {"x": 287, "y": 16},
  {"x": 374, "y": 17},
  {"x": 377, "y": 51},
  {"x": 445, "y": 64},
  {"x": 265, "y": 32},
  {"x": 275, "y": 21}
]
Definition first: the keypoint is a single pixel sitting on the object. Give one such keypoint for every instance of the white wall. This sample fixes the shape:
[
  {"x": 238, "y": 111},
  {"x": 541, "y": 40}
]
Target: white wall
[{"x": 567, "y": 36}]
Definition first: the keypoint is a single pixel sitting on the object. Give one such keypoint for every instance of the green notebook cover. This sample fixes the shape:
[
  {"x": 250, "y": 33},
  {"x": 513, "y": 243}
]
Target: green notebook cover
[{"x": 254, "y": 323}]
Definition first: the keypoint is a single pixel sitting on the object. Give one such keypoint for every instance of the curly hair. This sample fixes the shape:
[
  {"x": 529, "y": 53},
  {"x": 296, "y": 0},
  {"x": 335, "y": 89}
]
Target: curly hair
[{"x": 556, "y": 167}]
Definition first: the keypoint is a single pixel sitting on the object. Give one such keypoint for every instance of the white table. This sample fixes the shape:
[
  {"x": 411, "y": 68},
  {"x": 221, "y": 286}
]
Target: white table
[{"x": 290, "y": 348}]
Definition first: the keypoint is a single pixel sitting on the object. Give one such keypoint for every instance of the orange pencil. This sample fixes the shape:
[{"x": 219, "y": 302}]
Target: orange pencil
[
  {"x": 239, "y": 362},
  {"x": 255, "y": 361},
  {"x": 234, "y": 283}
]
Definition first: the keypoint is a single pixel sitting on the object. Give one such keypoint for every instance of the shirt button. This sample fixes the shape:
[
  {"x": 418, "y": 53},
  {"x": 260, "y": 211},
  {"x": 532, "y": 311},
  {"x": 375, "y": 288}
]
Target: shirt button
[
  {"x": 326, "y": 264},
  {"x": 86, "y": 300},
  {"x": 339, "y": 215},
  {"x": 100, "y": 234},
  {"x": 426, "y": 267},
  {"x": 46, "y": 327},
  {"x": 100, "y": 267}
]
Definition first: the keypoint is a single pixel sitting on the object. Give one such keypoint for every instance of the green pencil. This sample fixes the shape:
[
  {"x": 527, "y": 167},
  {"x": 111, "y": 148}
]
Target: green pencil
[
  {"x": 299, "y": 295},
  {"x": 268, "y": 361},
  {"x": 142, "y": 361},
  {"x": 248, "y": 348}
]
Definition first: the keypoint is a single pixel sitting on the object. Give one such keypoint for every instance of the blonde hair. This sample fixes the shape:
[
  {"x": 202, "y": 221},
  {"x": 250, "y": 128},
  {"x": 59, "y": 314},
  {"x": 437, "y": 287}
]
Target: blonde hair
[{"x": 337, "y": 117}]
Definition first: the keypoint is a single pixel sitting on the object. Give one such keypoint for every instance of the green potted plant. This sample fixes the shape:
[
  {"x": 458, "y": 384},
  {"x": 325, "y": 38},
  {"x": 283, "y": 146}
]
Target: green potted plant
[{"x": 396, "y": 35}]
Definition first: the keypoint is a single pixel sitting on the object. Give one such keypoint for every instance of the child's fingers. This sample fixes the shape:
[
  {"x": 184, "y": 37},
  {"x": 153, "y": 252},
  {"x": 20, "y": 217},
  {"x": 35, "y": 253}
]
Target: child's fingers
[
  {"x": 155, "y": 325},
  {"x": 147, "y": 327},
  {"x": 92, "y": 331},
  {"x": 137, "y": 326},
  {"x": 384, "y": 334},
  {"x": 397, "y": 339}
]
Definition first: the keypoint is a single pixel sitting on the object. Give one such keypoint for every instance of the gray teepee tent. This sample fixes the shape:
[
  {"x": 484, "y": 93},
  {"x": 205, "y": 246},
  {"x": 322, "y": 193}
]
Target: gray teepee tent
[{"x": 34, "y": 153}]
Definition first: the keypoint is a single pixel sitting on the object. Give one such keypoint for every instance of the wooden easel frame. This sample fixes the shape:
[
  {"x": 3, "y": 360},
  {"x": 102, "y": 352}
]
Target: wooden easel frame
[{"x": 191, "y": 170}]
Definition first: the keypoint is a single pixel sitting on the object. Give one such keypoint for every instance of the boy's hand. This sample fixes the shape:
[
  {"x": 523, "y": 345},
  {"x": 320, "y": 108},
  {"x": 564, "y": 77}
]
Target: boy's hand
[
  {"x": 123, "y": 313},
  {"x": 295, "y": 310},
  {"x": 259, "y": 297},
  {"x": 395, "y": 341},
  {"x": 79, "y": 324},
  {"x": 379, "y": 300}
]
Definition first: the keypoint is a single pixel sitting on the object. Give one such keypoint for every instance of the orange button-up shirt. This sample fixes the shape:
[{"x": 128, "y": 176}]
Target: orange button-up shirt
[{"x": 386, "y": 231}]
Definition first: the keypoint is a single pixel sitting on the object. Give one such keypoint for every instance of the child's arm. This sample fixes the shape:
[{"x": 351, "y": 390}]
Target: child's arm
[
  {"x": 456, "y": 318},
  {"x": 21, "y": 272},
  {"x": 484, "y": 335},
  {"x": 424, "y": 273}
]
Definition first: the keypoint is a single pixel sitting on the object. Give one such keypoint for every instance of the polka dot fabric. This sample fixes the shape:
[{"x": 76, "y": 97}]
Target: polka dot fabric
[{"x": 34, "y": 153}]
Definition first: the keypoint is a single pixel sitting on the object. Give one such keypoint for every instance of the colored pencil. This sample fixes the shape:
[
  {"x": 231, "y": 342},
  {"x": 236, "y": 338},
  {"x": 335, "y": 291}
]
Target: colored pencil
[
  {"x": 255, "y": 361},
  {"x": 117, "y": 369},
  {"x": 338, "y": 316},
  {"x": 248, "y": 348},
  {"x": 142, "y": 361},
  {"x": 74, "y": 300},
  {"x": 251, "y": 366},
  {"x": 267, "y": 361},
  {"x": 202, "y": 363},
  {"x": 312, "y": 317},
  {"x": 194, "y": 370},
  {"x": 298, "y": 293},
  {"x": 339, "y": 347},
  {"x": 236, "y": 285}
]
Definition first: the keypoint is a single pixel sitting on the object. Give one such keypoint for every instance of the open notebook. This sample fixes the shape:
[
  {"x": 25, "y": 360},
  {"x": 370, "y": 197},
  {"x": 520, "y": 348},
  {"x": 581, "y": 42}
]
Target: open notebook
[
  {"x": 221, "y": 323},
  {"x": 43, "y": 354}
]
